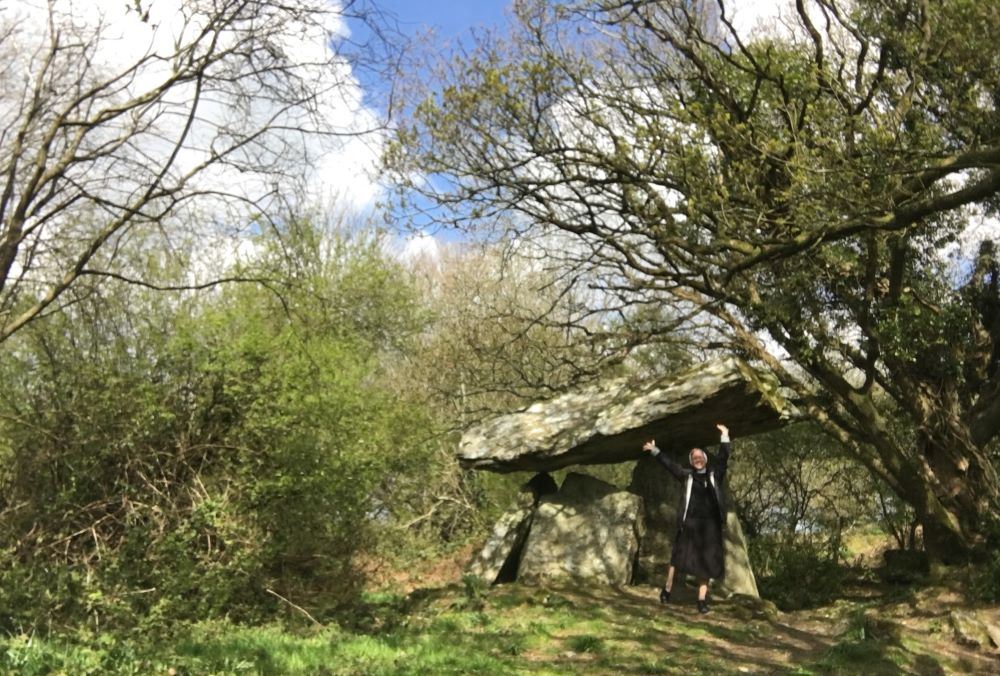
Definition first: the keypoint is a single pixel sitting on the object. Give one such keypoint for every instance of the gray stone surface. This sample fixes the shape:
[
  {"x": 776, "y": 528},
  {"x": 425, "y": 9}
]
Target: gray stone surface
[
  {"x": 500, "y": 557},
  {"x": 658, "y": 491},
  {"x": 993, "y": 631},
  {"x": 880, "y": 628},
  {"x": 968, "y": 629},
  {"x": 609, "y": 422},
  {"x": 588, "y": 531},
  {"x": 749, "y": 608},
  {"x": 739, "y": 578},
  {"x": 504, "y": 545}
]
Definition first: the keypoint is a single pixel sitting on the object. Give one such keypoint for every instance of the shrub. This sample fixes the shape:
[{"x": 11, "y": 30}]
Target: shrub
[
  {"x": 586, "y": 643},
  {"x": 796, "y": 573},
  {"x": 984, "y": 580},
  {"x": 162, "y": 460}
]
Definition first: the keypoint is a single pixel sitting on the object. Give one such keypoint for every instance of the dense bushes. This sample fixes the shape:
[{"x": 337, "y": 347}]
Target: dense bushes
[
  {"x": 984, "y": 577},
  {"x": 796, "y": 494},
  {"x": 165, "y": 459}
]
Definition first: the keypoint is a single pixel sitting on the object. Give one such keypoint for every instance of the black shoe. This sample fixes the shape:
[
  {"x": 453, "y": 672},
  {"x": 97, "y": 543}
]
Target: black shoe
[
  {"x": 702, "y": 606},
  {"x": 664, "y": 595}
]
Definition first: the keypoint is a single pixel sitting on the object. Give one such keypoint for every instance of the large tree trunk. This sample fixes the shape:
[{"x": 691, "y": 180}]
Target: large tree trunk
[
  {"x": 940, "y": 470},
  {"x": 960, "y": 497}
]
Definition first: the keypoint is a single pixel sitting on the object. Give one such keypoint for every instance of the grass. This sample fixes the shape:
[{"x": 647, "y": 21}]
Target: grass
[{"x": 509, "y": 629}]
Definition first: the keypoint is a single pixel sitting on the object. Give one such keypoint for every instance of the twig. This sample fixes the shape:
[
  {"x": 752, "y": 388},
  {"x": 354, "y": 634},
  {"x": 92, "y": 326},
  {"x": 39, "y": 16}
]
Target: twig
[{"x": 298, "y": 608}]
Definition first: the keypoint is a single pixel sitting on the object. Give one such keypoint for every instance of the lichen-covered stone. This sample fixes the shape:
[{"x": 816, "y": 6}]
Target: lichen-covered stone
[
  {"x": 659, "y": 497},
  {"x": 500, "y": 556},
  {"x": 739, "y": 578},
  {"x": 609, "y": 422},
  {"x": 588, "y": 531},
  {"x": 993, "y": 631},
  {"x": 592, "y": 530},
  {"x": 504, "y": 546},
  {"x": 749, "y": 608},
  {"x": 968, "y": 629}
]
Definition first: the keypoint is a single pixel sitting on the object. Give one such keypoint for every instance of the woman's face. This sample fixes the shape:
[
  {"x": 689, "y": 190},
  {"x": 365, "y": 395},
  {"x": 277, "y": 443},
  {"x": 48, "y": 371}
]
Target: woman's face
[{"x": 697, "y": 458}]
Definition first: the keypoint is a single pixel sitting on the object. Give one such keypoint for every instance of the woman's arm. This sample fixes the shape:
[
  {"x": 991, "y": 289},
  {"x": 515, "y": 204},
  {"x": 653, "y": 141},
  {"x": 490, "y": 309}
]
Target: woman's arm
[
  {"x": 672, "y": 467},
  {"x": 725, "y": 448}
]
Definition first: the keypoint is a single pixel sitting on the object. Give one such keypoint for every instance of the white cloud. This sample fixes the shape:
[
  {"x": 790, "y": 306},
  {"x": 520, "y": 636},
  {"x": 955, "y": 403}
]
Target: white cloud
[
  {"x": 337, "y": 165},
  {"x": 420, "y": 247},
  {"x": 347, "y": 177},
  {"x": 317, "y": 155},
  {"x": 753, "y": 18}
]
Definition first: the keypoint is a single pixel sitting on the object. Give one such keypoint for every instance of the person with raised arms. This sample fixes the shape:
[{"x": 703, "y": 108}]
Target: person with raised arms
[{"x": 701, "y": 514}]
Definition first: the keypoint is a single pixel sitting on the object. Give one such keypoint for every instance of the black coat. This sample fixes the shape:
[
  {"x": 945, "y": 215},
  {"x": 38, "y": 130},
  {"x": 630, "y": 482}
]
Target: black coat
[{"x": 716, "y": 470}]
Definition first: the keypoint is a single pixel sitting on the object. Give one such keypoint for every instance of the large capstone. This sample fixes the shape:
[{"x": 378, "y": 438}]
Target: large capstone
[{"x": 609, "y": 422}]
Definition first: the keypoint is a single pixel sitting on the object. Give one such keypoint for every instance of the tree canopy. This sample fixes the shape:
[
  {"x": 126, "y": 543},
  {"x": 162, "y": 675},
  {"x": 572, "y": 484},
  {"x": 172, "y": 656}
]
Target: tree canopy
[{"x": 819, "y": 197}]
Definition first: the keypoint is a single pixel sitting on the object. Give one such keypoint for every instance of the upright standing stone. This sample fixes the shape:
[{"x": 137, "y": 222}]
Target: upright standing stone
[
  {"x": 739, "y": 577},
  {"x": 503, "y": 546},
  {"x": 500, "y": 557},
  {"x": 659, "y": 497},
  {"x": 587, "y": 531}
]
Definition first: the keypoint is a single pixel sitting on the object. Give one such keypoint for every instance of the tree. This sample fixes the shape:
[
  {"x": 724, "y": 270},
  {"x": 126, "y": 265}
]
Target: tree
[
  {"x": 126, "y": 138},
  {"x": 793, "y": 480},
  {"x": 505, "y": 332},
  {"x": 811, "y": 196},
  {"x": 501, "y": 333}
]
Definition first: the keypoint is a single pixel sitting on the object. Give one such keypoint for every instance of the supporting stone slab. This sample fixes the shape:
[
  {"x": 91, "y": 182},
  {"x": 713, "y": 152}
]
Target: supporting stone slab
[
  {"x": 588, "y": 531},
  {"x": 500, "y": 557},
  {"x": 503, "y": 547}
]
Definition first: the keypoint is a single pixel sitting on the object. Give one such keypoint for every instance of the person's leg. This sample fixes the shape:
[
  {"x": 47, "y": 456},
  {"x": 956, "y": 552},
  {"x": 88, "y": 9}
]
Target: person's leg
[
  {"x": 667, "y": 586},
  {"x": 702, "y": 596}
]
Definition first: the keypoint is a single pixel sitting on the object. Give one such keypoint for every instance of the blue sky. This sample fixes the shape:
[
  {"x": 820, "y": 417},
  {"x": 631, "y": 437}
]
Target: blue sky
[{"x": 450, "y": 19}]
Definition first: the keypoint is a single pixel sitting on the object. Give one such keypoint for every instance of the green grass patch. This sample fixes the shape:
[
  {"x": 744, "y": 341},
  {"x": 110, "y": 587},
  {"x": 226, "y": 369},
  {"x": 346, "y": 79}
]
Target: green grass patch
[
  {"x": 510, "y": 629},
  {"x": 586, "y": 643}
]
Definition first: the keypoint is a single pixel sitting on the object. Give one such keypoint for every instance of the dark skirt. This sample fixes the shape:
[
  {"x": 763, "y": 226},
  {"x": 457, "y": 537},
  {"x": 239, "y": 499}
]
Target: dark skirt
[{"x": 698, "y": 549}]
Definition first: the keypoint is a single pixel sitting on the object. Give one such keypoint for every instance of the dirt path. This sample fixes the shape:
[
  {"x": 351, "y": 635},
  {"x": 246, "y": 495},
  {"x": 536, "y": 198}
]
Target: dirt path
[
  {"x": 873, "y": 629},
  {"x": 879, "y": 629},
  {"x": 873, "y": 632}
]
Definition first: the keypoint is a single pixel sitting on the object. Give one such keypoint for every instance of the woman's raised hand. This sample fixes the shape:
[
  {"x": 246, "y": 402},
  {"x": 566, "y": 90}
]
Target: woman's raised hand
[{"x": 649, "y": 445}]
